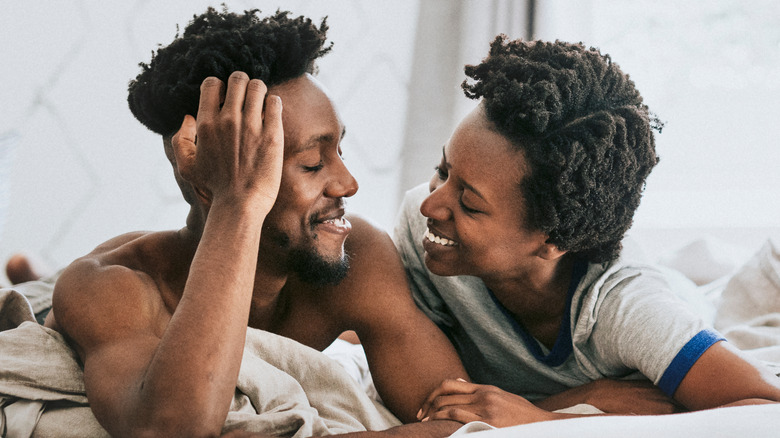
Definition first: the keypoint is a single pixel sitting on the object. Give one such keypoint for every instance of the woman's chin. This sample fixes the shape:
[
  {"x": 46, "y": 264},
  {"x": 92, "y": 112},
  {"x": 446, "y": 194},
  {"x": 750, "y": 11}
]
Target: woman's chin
[{"x": 439, "y": 267}]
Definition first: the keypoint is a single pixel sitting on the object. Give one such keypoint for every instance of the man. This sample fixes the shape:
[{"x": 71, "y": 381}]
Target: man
[{"x": 159, "y": 319}]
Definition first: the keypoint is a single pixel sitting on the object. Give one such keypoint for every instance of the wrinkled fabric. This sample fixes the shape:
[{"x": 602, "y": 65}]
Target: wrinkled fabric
[{"x": 283, "y": 388}]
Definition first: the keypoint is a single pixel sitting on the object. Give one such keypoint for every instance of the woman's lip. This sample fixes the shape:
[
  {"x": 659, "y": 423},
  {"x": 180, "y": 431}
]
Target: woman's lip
[
  {"x": 434, "y": 245},
  {"x": 436, "y": 250},
  {"x": 434, "y": 236}
]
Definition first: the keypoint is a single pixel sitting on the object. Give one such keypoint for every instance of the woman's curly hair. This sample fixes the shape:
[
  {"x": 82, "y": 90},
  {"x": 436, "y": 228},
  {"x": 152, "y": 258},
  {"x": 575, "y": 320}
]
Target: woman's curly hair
[
  {"x": 584, "y": 131},
  {"x": 274, "y": 49}
]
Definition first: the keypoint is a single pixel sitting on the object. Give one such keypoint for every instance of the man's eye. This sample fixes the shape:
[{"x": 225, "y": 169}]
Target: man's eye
[
  {"x": 442, "y": 174},
  {"x": 314, "y": 168}
]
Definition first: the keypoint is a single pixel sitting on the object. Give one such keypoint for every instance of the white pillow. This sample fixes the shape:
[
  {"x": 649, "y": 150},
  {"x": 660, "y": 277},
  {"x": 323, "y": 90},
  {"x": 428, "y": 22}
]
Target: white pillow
[
  {"x": 750, "y": 302},
  {"x": 706, "y": 259}
]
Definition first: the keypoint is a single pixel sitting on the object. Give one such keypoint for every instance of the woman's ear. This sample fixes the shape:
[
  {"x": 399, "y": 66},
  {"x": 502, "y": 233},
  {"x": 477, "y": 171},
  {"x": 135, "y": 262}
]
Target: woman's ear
[{"x": 550, "y": 251}]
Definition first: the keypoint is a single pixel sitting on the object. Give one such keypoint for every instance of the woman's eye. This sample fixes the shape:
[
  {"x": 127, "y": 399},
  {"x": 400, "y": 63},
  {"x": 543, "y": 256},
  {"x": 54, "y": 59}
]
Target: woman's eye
[
  {"x": 314, "y": 168},
  {"x": 467, "y": 209}
]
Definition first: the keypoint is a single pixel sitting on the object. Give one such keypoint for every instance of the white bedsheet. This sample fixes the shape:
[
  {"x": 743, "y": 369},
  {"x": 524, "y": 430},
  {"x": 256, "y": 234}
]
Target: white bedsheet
[{"x": 759, "y": 421}]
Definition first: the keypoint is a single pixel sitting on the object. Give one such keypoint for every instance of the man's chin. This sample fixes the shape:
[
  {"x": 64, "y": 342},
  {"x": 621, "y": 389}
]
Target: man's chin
[{"x": 313, "y": 268}]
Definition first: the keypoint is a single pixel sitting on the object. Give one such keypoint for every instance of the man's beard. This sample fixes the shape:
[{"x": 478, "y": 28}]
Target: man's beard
[{"x": 316, "y": 270}]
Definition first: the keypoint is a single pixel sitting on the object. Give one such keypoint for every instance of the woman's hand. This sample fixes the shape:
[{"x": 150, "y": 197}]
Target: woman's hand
[{"x": 464, "y": 402}]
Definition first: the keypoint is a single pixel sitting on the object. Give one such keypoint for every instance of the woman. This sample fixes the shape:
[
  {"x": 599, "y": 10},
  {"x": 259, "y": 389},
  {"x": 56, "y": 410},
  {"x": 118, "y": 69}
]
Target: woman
[{"x": 516, "y": 253}]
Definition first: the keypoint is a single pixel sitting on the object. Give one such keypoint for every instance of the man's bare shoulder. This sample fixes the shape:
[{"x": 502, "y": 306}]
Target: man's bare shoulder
[
  {"x": 112, "y": 286},
  {"x": 376, "y": 277},
  {"x": 368, "y": 244}
]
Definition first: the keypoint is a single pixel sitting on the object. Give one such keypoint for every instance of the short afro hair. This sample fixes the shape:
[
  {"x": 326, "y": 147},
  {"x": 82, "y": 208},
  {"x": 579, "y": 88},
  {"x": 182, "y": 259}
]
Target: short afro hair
[
  {"x": 273, "y": 49},
  {"x": 584, "y": 131}
]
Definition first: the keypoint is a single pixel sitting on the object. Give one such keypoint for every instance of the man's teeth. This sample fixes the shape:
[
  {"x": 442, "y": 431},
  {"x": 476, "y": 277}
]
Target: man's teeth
[
  {"x": 339, "y": 222},
  {"x": 440, "y": 240}
]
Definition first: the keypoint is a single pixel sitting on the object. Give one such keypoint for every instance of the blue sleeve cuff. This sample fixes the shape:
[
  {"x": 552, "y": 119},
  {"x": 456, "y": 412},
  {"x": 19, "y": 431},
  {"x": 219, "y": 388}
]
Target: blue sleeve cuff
[{"x": 685, "y": 359}]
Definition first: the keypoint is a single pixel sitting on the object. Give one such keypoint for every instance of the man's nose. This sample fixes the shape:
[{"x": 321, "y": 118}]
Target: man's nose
[{"x": 343, "y": 184}]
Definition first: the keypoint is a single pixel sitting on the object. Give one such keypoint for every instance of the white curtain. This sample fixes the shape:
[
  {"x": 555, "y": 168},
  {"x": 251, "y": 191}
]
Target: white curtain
[{"x": 450, "y": 34}]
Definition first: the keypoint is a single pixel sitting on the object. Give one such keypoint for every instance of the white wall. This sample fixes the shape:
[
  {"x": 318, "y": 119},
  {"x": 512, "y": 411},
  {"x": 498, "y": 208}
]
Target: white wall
[
  {"x": 711, "y": 70},
  {"x": 84, "y": 170}
]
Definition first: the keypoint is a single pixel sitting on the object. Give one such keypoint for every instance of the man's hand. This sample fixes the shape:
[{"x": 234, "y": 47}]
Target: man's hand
[
  {"x": 464, "y": 402},
  {"x": 235, "y": 149}
]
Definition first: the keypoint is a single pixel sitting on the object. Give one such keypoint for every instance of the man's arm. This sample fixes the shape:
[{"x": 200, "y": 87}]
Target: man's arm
[
  {"x": 176, "y": 377},
  {"x": 635, "y": 397},
  {"x": 408, "y": 355},
  {"x": 432, "y": 429}
]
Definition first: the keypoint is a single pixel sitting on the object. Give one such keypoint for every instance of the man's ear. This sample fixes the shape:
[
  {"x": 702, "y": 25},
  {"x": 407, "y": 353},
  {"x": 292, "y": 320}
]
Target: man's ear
[
  {"x": 550, "y": 251},
  {"x": 168, "y": 147},
  {"x": 203, "y": 197},
  {"x": 191, "y": 193}
]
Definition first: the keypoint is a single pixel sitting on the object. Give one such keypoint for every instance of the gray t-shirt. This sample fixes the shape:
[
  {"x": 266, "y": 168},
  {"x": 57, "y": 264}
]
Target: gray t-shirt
[{"x": 623, "y": 319}]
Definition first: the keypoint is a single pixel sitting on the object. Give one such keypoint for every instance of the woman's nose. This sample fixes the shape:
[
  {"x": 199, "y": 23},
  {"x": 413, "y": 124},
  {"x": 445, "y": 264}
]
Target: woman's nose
[{"x": 434, "y": 206}]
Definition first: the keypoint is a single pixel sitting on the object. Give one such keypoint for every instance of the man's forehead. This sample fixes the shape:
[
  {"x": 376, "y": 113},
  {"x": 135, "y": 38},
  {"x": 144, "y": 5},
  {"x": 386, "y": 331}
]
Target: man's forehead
[
  {"x": 309, "y": 117},
  {"x": 316, "y": 141}
]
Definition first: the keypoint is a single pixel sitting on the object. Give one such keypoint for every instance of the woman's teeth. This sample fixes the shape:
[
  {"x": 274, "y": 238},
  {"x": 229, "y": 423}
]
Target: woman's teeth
[{"x": 440, "y": 240}]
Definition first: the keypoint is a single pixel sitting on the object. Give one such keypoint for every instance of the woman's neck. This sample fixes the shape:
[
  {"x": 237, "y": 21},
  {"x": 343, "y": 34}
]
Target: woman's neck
[{"x": 538, "y": 295}]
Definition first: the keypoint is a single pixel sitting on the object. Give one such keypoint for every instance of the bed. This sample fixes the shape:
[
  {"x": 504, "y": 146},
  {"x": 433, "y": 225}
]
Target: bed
[{"x": 732, "y": 281}]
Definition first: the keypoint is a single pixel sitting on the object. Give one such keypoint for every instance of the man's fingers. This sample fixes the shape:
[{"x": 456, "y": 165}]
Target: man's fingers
[
  {"x": 184, "y": 148},
  {"x": 211, "y": 94},
  {"x": 272, "y": 120},
  {"x": 236, "y": 92},
  {"x": 253, "y": 104}
]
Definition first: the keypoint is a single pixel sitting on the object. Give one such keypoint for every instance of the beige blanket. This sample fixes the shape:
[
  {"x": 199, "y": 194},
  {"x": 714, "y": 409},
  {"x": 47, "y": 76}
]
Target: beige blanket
[{"x": 284, "y": 388}]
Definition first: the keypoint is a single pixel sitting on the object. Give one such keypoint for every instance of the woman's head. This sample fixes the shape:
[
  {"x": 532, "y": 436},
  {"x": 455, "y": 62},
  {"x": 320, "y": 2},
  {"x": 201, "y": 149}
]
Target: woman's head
[
  {"x": 476, "y": 224},
  {"x": 584, "y": 134}
]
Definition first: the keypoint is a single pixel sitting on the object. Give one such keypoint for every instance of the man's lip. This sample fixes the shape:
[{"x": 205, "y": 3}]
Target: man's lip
[{"x": 334, "y": 214}]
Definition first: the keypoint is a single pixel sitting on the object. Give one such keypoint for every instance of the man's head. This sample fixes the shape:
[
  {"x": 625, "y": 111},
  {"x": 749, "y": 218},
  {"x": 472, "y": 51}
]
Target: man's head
[
  {"x": 584, "y": 131},
  {"x": 304, "y": 232},
  {"x": 273, "y": 49}
]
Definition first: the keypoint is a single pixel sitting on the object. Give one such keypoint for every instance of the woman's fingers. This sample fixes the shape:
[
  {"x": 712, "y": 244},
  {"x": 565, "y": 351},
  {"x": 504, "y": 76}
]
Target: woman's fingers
[
  {"x": 447, "y": 402},
  {"x": 447, "y": 387},
  {"x": 461, "y": 414}
]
